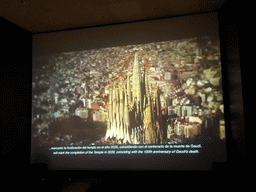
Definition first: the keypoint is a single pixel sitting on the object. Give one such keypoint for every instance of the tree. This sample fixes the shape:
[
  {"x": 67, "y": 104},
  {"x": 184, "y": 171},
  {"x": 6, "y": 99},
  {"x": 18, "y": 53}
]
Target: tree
[
  {"x": 70, "y": 95},
  {"x": 55, "y": 108},
  {"x": 45, "y": 103},
  {"x": 101, "y": 129},
  {"x": 54, "y": 128},
  {"x": 79, "y": 129},
  {"x": 38, "y": 90},
  {"x": 79, "y": 103},
  {"x": 51, "y": 102},
  {"x": 38, "y": 111},
  {"x": 38, "y": 121},
  {"x": 62, "y": 85},
  {"x": 34, "y": 129},
  {"x": 72, "y": 108}
]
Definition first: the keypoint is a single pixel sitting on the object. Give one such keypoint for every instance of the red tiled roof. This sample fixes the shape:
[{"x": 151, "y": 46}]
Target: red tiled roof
[
  {"x": 80, "y": 89},
  {"x": 95, "y": 106}
]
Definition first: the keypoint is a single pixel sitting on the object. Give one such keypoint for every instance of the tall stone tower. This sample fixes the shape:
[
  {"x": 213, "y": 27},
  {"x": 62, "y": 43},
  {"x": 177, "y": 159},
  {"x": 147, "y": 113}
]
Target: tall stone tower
[
  {"x": 136, "y": 80},
  {"x": 129, "y": 95},
  {"x": 134, "y": 112}
]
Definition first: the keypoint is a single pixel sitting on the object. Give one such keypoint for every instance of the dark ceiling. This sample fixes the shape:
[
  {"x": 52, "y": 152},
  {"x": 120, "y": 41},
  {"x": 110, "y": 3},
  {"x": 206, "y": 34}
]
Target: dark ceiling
[{"x": 38, "y": 16}]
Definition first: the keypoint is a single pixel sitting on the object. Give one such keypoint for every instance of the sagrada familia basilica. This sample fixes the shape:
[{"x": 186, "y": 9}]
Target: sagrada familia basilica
[{"x": 134, "y": 115}]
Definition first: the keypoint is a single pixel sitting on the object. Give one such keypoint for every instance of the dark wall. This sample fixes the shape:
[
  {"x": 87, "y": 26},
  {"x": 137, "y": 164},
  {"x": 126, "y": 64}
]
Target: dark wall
[
  {"x": 233, "y": 40},
  {"x": 16, "y": 54},
  {"x": 163, "y": 29},
  {"x": 16, "y": 86}
]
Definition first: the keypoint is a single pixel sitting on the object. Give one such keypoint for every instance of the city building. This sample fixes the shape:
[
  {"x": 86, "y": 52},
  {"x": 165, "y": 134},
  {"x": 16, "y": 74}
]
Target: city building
[
  {"x": 82, "y": 112},
  {"x": 65, "y": 108},
  {"x": 187, "y": 110},
  {"x": 89, "y": 101},
  {"x": 198, "y": 55},
  {"x": 103, "y": 116},
  {"x": 64, "y": 101},
  {"x": 94, "y": 73},
  {"x": 178, "y": 110},
  {"x": 96, "y": 115},
  {"x": 167, "y": 76},
  {"x": 95, "y": 106},
  {"x": 171, "y": 111},
  {"x": 56, "y": 97},
  {"x": 222, "y": 129}
]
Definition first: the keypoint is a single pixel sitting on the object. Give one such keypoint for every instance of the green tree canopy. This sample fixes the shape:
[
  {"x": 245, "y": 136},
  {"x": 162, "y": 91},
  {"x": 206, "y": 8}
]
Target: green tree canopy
[
  {"x": 40, "y": 111},
  {"x": 78, "y": 128},
  {"x": 38, "y": 90}
]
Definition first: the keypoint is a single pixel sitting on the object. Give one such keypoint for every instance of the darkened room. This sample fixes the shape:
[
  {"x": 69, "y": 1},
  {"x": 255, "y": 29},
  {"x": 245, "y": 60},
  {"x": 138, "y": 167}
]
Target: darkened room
[{"x": 67, "y": 29}]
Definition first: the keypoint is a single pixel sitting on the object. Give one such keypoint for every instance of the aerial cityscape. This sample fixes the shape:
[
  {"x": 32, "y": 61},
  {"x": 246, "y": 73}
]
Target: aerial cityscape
[{"x": 155, "y": 93}]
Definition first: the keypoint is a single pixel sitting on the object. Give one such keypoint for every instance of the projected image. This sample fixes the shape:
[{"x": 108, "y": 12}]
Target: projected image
[{"x": 155, "y": 93}]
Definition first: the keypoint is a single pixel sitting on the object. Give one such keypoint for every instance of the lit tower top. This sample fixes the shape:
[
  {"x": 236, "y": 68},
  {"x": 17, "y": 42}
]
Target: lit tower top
[{"x": 136, "y": 79}]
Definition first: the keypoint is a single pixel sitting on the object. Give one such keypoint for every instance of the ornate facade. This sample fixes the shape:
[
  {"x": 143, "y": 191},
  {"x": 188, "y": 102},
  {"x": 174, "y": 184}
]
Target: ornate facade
[{"x": 134, "y": 114}]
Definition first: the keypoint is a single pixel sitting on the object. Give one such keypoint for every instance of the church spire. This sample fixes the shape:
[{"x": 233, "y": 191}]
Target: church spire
[
  {"x": 110, "y": 112},
  {"x": 121, "y": 130},
  {"x": 108, "y": 133},
  {"x": 121, "y": 93},
  {"x": 136, "y": 79},
  {"x": 146, "y": 85},
  {"x": 129, "y": 92},
  {"x": 126, "y": 112},
  {"x": 127, "y": 138},
  {"x": 114, "y": 104}
]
